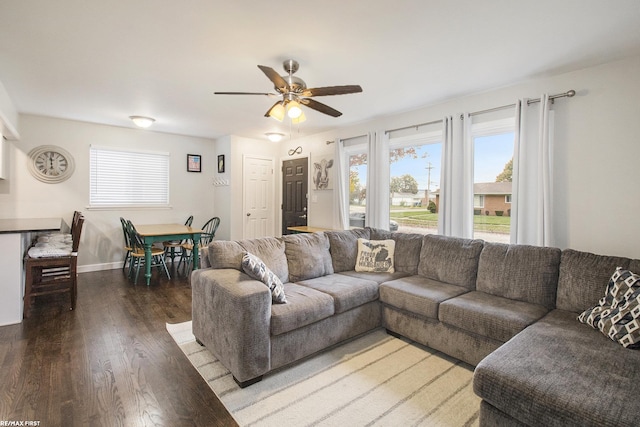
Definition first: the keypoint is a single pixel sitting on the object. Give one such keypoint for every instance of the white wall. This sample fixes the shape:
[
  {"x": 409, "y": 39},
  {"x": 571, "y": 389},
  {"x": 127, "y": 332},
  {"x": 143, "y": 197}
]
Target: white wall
[
  {"x": 596, "y": 184},
  {"x": 596, "y": 152},
  {"x": 22, "y": 196},
  {"x": 240, "y": 147}
]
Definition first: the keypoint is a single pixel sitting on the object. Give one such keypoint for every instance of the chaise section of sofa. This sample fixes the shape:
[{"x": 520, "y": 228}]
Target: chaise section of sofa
[{"x": 558, "y": 371}]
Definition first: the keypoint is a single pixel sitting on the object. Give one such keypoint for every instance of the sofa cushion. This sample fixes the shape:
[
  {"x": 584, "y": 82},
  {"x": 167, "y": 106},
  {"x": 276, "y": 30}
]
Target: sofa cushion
[
  {"x": 617, "y": 315},
  {"x": 271, "y": 251},
  {"x": 560, "y": 372},
  {"x": 343, "y": 246},
  {"x": 489, "y": 315},
  {"x": 256, "y": 269},
  {"x": 375, "y": 255},
  {"x": 375, "y": 277},
  {"x": 407, "y": 250},
  {"x": 417, "y": 294},
  {"x": 583, "y": 277},
  {"x": 450, "y": 260},
  {"x": 304, "y": 306},
  {"x": 519, "y": 272},
  {"x": 347, "y": 292},
  {"x": 225, "y": 254},
  {"x": 307, "y": 256}
]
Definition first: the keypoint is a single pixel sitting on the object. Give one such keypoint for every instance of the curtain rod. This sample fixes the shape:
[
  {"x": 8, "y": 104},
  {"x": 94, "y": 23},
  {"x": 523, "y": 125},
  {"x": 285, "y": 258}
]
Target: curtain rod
[
  {"x": 433, "y": 122},
  {"x": 568, "y": 94},
  {"x": 346, "y": 139}
]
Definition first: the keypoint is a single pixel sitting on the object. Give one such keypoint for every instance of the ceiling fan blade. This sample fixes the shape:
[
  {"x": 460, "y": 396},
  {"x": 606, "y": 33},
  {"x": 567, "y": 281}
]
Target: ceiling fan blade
[
  {"x": 318, "y": 106},
  {"x": 277, "y": 80},
  {"x": 245, "y": 93},
  {"x": 332, "y": 90}
]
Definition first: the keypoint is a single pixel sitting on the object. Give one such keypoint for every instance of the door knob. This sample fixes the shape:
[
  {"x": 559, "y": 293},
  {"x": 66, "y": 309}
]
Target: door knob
[
  {"x": 248, "y": 213},
  {"x": 303, "y": 216}
]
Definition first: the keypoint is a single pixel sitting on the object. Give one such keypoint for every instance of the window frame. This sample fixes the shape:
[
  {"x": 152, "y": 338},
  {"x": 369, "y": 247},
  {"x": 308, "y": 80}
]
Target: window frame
[
  {"x": 122, "y": 168},
  {"x": 350, "y": 149}
]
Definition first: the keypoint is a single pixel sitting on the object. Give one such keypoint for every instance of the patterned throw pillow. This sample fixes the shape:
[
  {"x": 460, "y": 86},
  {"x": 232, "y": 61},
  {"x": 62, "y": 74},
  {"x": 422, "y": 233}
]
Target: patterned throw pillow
[
  {"x": 375, "y": 256},
  {"x": 256, "y": 269},
  {"x": 617, "y": 314}
]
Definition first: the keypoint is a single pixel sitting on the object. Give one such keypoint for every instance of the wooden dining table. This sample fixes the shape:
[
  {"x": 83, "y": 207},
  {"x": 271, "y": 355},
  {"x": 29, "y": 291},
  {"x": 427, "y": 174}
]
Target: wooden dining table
[{"x": 152, "y": 233}]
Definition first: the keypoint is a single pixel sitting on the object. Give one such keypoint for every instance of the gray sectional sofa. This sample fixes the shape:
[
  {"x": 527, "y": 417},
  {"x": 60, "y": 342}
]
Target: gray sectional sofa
[{"x": 509, "y": 310}]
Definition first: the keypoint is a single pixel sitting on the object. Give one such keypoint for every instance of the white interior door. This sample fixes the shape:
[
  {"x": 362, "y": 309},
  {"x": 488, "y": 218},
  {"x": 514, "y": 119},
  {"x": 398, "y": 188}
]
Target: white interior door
[{"x": 258, "y": 197}]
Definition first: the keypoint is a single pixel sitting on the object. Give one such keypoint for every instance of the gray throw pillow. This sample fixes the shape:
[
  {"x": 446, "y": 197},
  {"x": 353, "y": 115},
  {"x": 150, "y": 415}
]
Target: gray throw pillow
[
  {"x": 256, "y": 269},
  {"x": 225, "y": 254},
  {"x": 308, "y": 256},
  {"x": 343, "y": 246},
  {"x": 271, "y": 251}
]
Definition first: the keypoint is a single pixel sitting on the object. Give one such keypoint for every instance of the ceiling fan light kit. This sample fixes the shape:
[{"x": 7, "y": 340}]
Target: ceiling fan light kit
[
  {"x": 293, "y": 110},
  {"x": 277, "y": 112},
  {"x": 301, "y": 118},
  {"x": 293, "y": 93}
]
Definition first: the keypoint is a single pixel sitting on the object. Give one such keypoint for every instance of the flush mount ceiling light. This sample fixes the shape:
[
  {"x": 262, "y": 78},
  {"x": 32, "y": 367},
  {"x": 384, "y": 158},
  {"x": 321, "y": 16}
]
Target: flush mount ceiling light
[
  {"x": 274, "y": 136},
  {"x": 142, "y": 121}
]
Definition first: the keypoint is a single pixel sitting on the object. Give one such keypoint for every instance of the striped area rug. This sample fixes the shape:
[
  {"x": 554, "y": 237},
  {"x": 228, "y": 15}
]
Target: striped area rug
[{"x": 375, "y": 379}]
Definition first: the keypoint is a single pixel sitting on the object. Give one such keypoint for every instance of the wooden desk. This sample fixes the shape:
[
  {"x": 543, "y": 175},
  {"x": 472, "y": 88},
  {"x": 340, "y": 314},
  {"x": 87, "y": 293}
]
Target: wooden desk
[
  {"x": 15, "y": 238},
  {"x": 307, "y": 229},
  {"x": 152, "y": 233}
]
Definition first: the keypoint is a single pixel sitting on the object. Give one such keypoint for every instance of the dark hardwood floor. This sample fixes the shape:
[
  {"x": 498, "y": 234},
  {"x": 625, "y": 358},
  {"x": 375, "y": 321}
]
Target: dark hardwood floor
[{"x": 111, "y": 362}]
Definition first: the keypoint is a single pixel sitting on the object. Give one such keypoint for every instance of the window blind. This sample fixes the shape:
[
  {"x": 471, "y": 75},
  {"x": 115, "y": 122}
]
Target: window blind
[{"x": 128, "y": 178}]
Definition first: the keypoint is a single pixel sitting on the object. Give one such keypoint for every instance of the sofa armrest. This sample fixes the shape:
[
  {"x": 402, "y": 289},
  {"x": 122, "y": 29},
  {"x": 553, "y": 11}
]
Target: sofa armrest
[{"x": 231, "y": 317}]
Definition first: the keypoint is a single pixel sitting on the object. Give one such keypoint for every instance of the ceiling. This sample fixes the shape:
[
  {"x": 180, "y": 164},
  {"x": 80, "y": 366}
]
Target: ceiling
[{"x": 103, "y": 61}]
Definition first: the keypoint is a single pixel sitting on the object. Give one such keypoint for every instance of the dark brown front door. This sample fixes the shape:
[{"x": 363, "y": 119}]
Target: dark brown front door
[{"x": 294, "y": 193}]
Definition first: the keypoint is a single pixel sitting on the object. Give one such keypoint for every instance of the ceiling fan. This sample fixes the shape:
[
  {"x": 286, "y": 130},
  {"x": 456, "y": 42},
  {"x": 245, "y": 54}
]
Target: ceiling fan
[{"x": 293, "y": 92}]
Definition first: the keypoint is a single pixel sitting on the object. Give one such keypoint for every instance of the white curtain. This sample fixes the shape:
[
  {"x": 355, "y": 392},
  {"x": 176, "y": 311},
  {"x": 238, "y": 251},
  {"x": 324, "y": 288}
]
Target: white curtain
[
  {"x": 341, "y": 193},
  {"x": 456, "y": 188},
  {"x": 531, "y": 210},
  {"x": 377, "y": 209}
]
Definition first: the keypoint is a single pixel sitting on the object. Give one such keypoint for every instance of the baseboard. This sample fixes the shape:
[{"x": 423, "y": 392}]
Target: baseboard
[{"x": 99, "y": 267}]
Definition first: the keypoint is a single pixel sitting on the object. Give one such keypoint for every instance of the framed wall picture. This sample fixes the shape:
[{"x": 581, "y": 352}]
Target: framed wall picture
[
  {"x": 221, "y": 163},
  {"x": 322, "y": 171},
  {"x": 194, "y": 163}
]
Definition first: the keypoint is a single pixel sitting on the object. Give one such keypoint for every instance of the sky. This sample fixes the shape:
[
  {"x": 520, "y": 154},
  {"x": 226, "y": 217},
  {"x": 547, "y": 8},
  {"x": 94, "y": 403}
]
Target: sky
[{"x": 491, "y": 153}]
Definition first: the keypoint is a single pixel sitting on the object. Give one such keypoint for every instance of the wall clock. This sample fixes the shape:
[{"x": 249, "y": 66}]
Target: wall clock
[{"x": 50, "y": 164}]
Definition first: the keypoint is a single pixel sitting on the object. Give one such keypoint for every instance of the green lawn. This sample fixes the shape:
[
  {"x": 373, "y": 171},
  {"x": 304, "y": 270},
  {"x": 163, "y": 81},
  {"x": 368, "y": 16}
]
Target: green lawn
[{"x": 420, "y": 217}]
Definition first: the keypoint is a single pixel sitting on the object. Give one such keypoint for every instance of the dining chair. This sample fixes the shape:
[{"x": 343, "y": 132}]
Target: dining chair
[
  {"x": 208, "y": 234},
  {"x": 170, "y": 246},
  {"x": 53, "y": 269},
  {"x": 137, "y": 254},
  {"x": 127, "y": 243}
]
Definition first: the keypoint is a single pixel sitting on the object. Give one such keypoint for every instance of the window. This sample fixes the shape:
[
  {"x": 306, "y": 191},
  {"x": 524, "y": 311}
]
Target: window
[
  {"x": 357, "y": 188},
  {"x": 414, "y": 175},
  {"x": 492, "y": 174},
  {"x": 126, "y": 178}
]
